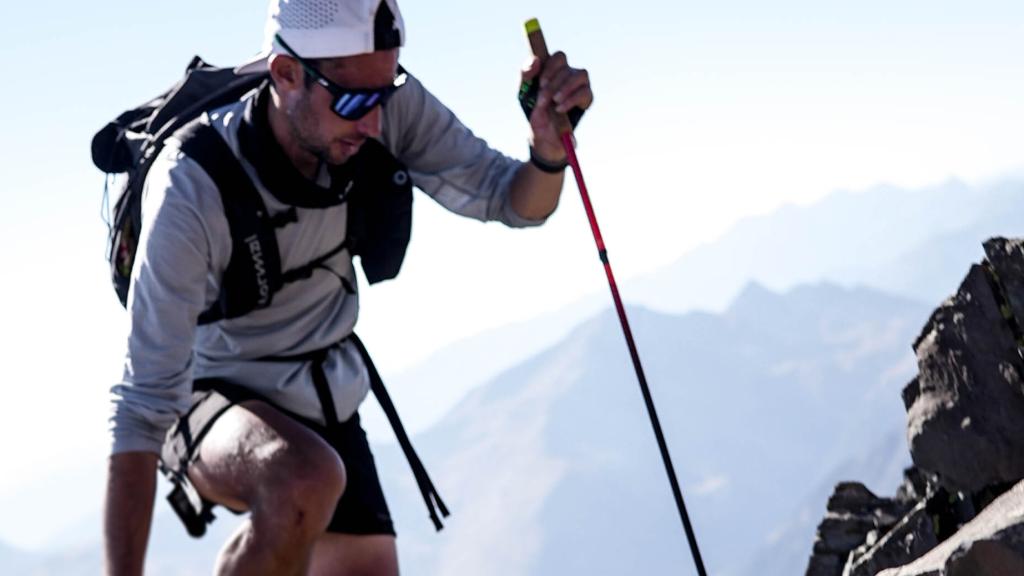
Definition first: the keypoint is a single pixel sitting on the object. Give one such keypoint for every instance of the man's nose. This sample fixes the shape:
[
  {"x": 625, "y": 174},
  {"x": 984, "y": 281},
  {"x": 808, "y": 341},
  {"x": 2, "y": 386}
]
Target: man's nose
[{"x": 370, "y": 125}]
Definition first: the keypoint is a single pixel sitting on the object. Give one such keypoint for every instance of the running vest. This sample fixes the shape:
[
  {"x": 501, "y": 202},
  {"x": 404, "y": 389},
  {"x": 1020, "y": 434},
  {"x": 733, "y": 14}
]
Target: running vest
[{"x": 378, "y": 227}]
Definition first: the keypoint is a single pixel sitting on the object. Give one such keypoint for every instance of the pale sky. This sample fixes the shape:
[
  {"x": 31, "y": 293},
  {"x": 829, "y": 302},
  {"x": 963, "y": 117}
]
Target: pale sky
[{"x": 705, "y": 113}]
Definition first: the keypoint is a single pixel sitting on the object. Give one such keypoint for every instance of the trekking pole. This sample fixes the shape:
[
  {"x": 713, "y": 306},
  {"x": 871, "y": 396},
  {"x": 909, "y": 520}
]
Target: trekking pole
[{"x": 540, "y": 50}]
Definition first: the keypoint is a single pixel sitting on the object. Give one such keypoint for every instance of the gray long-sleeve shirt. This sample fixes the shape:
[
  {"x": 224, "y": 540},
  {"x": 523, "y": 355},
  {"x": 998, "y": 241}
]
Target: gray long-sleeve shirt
[{"x": 185, "y": 246}]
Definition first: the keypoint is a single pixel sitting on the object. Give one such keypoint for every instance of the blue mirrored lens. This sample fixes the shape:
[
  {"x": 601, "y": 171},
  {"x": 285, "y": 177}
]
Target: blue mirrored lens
[
  {"x": 340, "y": 104},
  {"x": 354, "y": 103}
]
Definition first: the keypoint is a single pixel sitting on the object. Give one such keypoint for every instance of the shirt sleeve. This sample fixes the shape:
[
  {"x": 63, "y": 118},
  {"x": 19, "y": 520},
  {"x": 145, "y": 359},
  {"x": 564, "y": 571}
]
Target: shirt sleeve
[
  {"x": 168, "y": 292},
  {"x": 447, "y": 161}
]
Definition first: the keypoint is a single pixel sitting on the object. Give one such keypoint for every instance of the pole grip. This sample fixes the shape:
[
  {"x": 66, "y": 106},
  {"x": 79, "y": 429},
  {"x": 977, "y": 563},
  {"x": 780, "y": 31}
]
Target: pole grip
[
  {"x": 540, "y": 49},
  {"x": 536, "y": 37}
]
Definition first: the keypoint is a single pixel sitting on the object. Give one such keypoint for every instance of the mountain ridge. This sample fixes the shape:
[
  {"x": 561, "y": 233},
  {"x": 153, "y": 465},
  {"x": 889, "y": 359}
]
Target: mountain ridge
[
  {"x": 899, "y": 255},
  {"x": 594, "y": 410}
]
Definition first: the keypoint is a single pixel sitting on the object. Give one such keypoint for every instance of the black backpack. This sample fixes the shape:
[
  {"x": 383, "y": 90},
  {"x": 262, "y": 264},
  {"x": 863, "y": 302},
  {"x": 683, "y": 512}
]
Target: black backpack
[{"x": 379, "y": 224}]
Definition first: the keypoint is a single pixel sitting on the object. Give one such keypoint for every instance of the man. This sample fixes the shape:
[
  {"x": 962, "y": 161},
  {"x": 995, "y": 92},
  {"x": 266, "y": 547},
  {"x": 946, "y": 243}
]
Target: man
[{"x": 270, "y": 397}]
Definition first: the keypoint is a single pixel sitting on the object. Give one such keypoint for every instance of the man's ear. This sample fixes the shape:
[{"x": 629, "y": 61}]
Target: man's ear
[{"x": 286, "y": 72}]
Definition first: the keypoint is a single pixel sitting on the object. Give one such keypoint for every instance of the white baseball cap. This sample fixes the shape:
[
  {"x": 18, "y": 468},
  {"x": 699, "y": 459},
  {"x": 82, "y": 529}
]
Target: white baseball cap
[{"x": 329, "y": 29}]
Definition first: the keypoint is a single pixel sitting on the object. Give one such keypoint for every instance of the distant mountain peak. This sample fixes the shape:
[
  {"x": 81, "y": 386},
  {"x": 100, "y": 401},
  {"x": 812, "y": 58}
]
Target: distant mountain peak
[
  {"x": 912, "y": 242},
  {"x": 756, "y": 298},
  {"x": 754, "y": 295}
]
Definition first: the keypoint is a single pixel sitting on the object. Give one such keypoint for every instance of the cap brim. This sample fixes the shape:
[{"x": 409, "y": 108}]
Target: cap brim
[{"x": 257, "y": 65}]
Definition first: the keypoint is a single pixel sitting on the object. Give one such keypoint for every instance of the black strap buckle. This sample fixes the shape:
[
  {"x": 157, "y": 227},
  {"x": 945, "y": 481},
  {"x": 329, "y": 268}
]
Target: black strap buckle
[{"x": 194, "y": 512}]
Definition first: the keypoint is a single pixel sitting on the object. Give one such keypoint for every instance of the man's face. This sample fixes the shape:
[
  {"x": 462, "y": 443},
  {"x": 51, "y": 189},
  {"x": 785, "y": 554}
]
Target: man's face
[{"x": 316, "y": 128}]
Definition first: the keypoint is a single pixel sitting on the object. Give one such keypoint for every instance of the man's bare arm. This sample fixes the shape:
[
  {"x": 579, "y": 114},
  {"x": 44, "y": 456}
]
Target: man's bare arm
[
  {"x": 131, "y": 488},
  {"x": 534, "y": 193}
]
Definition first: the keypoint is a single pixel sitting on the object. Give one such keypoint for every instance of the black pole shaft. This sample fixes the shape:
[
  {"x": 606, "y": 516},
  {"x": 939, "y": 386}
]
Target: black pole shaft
[{"x": 677, "y": 493}]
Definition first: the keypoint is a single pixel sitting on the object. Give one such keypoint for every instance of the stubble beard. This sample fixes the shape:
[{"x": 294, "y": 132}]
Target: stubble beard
[{"x": 303, "y": 127}]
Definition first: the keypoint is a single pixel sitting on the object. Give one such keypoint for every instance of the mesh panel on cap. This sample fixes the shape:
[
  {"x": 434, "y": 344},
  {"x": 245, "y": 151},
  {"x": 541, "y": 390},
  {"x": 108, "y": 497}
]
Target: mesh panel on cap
[{"x": 308, "y": 15}]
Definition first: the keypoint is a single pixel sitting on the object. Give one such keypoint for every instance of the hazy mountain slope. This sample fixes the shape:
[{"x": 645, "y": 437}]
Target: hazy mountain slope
[
  {"x": 934, "y": 268},
  {"x": 425, "y": 392},
  {"x": 551, "y": 468},
  {"x": 914, "y": 243},
  {"x": 15, "y": 561},
  {"x": 873, "y": 236},
  {"x": 880, "y": 467},
  {"x": 172, "y": 552}
]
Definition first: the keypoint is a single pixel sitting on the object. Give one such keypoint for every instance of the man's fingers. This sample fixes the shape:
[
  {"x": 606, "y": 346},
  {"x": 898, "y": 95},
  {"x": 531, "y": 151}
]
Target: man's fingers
[
  {"x": 575, "y": 92},
  {"x": 541, "y": 116},
  {"x": 581, "y": 99},
  {"x": 543, "y": 100},
  {"x": 562, "y": 88},
  {"x": 553, "y": 66},
  {"x": 558, "y": 80}
]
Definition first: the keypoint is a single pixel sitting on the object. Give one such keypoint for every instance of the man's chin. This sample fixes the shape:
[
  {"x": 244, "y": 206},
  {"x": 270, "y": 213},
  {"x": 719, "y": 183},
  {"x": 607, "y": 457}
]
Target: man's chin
[{"x": 342, "y": 151}]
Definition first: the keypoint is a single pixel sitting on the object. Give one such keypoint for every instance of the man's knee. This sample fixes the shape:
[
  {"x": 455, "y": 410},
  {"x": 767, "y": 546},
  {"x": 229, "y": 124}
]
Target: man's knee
[
  {"x": 256, "y": 458},
  {"x": 301, "y": 490}
]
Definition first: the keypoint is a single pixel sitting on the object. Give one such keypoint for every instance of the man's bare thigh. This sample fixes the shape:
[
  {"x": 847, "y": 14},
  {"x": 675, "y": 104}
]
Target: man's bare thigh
[{"x": 253, "y": 446}]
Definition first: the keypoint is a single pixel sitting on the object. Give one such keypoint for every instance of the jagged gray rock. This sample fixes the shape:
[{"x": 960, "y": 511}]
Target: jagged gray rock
[
  {"x": 917, "y": 485},
  {"x": 990, "y": 545},
  {"x": 854, "y": 512},
  {"x": 965, "y": 426},
  {"x": 964, "y": 408},
  {"x": 910, "y": 539},
  {"x": 1007, "y": 260}
]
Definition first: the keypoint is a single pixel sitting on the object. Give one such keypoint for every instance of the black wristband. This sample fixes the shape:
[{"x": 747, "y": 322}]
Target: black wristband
[{"x": 545, "y": 166}]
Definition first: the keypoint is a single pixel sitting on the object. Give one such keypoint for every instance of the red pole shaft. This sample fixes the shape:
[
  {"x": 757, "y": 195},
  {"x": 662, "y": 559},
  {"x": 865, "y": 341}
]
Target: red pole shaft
[{"x": 677, "y": 493}]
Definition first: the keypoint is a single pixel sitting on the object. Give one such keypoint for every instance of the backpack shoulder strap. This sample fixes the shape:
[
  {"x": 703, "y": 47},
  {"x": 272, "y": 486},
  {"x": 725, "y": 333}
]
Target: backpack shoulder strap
[
  {"x": 254, "y": 271},
  {"x": 380, "y": 212}
]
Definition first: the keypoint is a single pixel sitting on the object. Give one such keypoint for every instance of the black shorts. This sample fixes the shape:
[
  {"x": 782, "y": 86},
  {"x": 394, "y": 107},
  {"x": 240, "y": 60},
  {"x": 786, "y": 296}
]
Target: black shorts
[{"x": 361, "y": 509}]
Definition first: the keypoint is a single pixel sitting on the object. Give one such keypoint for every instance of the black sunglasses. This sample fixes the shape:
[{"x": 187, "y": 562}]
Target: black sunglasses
[{"x": 349, "y": 103}]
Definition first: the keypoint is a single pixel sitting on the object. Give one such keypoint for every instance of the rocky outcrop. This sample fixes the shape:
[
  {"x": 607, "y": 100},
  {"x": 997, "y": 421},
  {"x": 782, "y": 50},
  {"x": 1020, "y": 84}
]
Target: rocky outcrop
[
  {"x": 1006, "y": 260},
  {"x": 990, "y": 545},
  {"x": 854, "y": 515},
  {"x": 911, "y": 538},
  {"x": 964, "y": 408},
  {"x": 955, "y": 513},
  {"x": 863, "y": 533}
]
